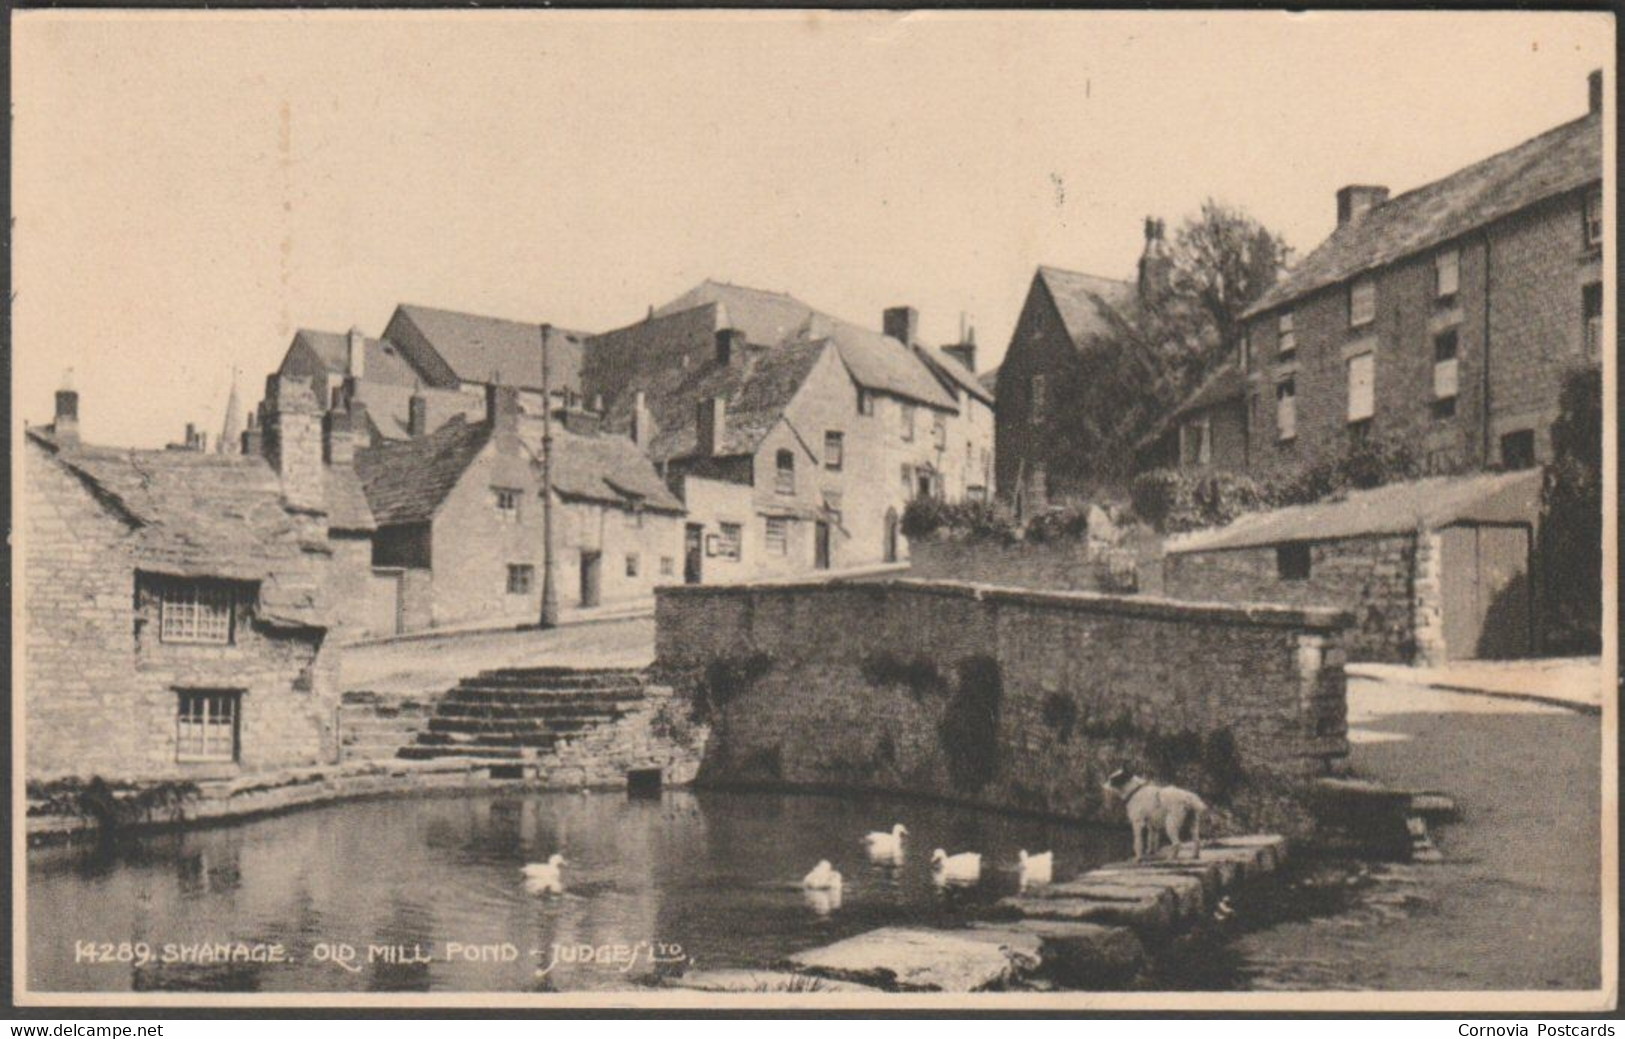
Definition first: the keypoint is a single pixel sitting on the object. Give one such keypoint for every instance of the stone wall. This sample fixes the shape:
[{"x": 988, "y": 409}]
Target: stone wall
[
  {"x": 1371, "y": 577},
  {"x": 1011, "y": 699},
  {"x": 1074, "y": 565}
]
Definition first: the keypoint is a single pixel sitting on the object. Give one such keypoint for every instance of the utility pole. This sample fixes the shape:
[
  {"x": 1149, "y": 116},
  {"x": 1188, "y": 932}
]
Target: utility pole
[{"x": 550, "y": 592}]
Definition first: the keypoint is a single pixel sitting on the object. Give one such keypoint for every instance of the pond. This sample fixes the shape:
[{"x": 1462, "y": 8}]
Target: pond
[{"x": 427, "y": 894}]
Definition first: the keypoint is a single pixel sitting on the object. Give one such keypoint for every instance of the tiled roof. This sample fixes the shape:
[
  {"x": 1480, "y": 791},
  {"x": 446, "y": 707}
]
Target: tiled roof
[
  {"x": 956, "y": 373},
  {"x": 1083, "y": 300},
  {"x": 382, "y": 360},
  {"x": 875, "y": 360},
  {"x": 207, "y": 515},
  {"x": 475, "y": 347},
  {"x": 406, "y": 480},
  {"x": 756, "y": 387},
  {"x": 607, "y": 469},
  {"x": 1391, "y": 509},
  {"x": 1558, "y": 161}
]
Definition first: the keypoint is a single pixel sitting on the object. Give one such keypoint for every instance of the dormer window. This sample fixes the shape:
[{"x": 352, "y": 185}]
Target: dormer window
[{"x": 196, "y": 611}]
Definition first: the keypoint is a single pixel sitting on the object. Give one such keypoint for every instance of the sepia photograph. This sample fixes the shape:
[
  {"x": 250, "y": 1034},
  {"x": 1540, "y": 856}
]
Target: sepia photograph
[{"x": 725, "y": 510}]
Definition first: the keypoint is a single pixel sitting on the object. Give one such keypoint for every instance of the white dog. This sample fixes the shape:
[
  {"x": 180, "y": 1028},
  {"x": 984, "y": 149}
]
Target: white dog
[{"x": 1155, "y": 810}]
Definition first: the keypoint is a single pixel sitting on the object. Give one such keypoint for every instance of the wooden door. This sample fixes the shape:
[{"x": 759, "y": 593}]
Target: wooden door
[
  {"x": 693, "y": 553},
  {"x": 386, "y": 612},
  {"x": 591, "y": 578},
  {"x": 1484, "y": 574},
  {"x": 821, "y": 546},
  {"x": 891, "y": 535}
]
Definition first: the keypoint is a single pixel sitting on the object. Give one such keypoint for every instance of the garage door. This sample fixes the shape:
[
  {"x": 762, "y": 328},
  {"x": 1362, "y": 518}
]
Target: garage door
[{"x": 1485, "y": 571}]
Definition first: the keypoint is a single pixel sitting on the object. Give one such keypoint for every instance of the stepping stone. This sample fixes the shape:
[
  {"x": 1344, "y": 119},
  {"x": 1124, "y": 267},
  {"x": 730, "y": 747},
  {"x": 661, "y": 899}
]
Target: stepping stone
[
  {"x": 1190, "y": 892},
  {"x": 1145, "y": 911},
  {"x": 761, "y": 981},
  {"x": 921, "y": 959},
  {"x": 1275, "y": 845},
  {"x": 1082, "y": 955}
]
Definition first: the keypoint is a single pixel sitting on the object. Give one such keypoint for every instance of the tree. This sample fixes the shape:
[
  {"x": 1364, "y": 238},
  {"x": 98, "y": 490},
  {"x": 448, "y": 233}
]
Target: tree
[
  {"x": 1223, "y": 261},
  {"x": 1571, "y": 519}
]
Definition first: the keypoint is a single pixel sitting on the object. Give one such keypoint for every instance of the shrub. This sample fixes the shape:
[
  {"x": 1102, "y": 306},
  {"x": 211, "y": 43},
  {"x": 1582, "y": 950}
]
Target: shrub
[
  {"x": 1174, "y": 500},
  {"x": 1571, "y": 520},
  {"x": 922, "y": 517},
  {"x": 964, "y": 520},
  {"x": 1153, "y": 494},
  {"x": 1058, "y": 524}
]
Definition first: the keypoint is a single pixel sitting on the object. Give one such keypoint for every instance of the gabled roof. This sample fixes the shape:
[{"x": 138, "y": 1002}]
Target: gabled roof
[
  {"x": 474, "y": 348},
  {"x": 381, "y": 358},
  {"x": 948, "y": 367},
  {"x": 1084, "y": 300},
  {"x": 990, "y": 379},
  {"x": 1394, "y": 508},
  {"x": 607, "y": 469},
  {"x": 757, "y": 388},
  {"x": 406, "y": 480},
  {"x": 194, "y": 514},
  {"x": 389, "y": 406},
  {"x": 876, "y": 360},
  {"x": 1560, "y": 160}
]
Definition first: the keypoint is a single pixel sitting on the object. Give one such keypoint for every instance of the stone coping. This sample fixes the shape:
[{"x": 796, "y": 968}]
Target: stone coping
[{"x": 1317, "y": 618}]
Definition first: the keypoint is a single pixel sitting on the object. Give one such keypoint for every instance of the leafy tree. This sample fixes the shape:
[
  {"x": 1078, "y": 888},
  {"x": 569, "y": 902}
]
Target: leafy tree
[
  {"x": 1223, "y": 261},
  {"x": 1571, "y": 519}
]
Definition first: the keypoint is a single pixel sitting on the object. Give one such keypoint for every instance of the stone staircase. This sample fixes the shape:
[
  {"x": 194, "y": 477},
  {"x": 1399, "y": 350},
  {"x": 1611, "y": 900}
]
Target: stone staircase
[
  {"x": 374, "y": 727},
  {"x": 511, "y": 715}
]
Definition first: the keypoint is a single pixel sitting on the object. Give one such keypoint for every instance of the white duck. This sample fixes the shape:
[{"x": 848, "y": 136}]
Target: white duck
[
  {"x": 544, "y": 876},
  {"x": 1037, "y": 869},
  {"x": 964, "y": 868},
  {"x": 823, "y": 877},
  {"x": 886, "y": 846}
]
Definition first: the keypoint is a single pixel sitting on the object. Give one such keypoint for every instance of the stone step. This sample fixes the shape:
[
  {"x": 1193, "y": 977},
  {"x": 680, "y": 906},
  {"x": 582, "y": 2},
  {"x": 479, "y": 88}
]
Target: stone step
[
  {"x": 910, "y": 959},
  {"x": 573, "y": 680},
  {"x": 1082, "y": 955},
  {"x": 482, "y": 726},
  {"x": 515, "y": 695},
  {"x": 498, "y": 754},
  {"x": 534, "y": 712}
]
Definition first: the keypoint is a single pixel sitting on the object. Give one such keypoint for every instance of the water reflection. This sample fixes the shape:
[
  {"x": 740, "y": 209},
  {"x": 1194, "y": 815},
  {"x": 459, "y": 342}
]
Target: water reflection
[{"x": 429, "y": 895}]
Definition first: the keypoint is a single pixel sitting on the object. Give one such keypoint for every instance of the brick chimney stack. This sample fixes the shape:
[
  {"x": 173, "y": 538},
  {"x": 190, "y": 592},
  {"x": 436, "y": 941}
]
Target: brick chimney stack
[
  {"x": 901, "y": 323},
  {"x": 417, "y": 413},
  {"x": 293, "y": 441},
  {"x": 342, "y": 428},
  {"x": 730, "y": 345},
  {"x": 1156, "y": 266},
  {"x": 65, "y": 426},
  {"x": 642, "y": 421},
  {"x": 356, "y": 355},
  {"x": 964, "y": 351},
  {"x": 1594, "y": 91},
  {"x": 1356, "y": 200},
  {"x": 253, "y": 436},
  {"x": 502, "y": 407},
  {"x": 711, "y": 424}
]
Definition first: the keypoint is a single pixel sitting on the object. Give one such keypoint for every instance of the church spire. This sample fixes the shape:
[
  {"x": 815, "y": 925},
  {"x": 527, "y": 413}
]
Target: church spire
[{"x": 231, "y": 431}]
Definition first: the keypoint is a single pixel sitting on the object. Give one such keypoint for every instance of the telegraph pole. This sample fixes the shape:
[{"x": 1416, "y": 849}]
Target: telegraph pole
[{"x": 550, "y": 592}]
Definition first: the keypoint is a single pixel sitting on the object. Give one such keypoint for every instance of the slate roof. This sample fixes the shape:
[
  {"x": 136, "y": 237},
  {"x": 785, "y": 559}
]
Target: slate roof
[
  {"x": 194, "y": 514},
  {"x": 607, "y": 469},
  {"x": 1081, "y": 300},
  {"x": 405, "y": 481},
  {"x": 382, "y": 360},
  {"x": 474, "y": 346},
  {"x": 1560, "y": 160},
  {"x": 1394, "y": 508},
  {"x": 757, "y": 388},
  {"x": 955, "y": 372},
  {"x": 875, "y": 360},
  {"x": 389, "y": 406}
]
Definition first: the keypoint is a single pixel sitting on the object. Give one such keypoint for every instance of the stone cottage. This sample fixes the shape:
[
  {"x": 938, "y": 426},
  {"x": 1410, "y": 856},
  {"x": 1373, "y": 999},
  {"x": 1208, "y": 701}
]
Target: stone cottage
[
  {"x": 175, "y": 621},
  {"x": 1433, "y": 570},
  {"x": 460, "y": 523}
]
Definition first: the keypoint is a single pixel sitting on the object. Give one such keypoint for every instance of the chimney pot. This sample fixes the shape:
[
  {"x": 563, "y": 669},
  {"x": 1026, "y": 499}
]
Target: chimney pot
[
  {"x": 1354, "y": 201},
  {"x": 1594, "y": 91},
  {"x": 417, "y": 415},
  {"x": 964, "y": 353},
  {"x": 502, "y": 406},
  {"x": 901, "y": 323},
  {"x": 65, "y": 425},
  {"x": 640, "y": 419}
]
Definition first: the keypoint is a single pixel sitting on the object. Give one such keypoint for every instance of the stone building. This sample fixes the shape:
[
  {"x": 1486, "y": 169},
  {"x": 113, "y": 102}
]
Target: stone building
[
  {"x": 176, "y": 616},
  {"x": 1434, "y": 570},
  {"x": 1208, "y": 431},
  {"x": 460, "y": 522},
  {"x": 1446, "y": 316},
  {"x": 795, "y": 438}
]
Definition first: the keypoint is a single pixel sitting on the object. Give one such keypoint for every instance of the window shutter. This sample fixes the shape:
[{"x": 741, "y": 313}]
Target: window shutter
[
  {"x": 1362, "y": 398},
  {"x": 1444, "y": 379}
]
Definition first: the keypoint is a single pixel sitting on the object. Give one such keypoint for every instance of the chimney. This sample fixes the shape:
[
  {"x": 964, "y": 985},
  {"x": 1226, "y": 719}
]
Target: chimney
[
  {"x": 190, "y": 443},
  {"x": 253, "y": 439},
  {"x": 1594, "y": 91},
  {"x": 901, "y": 323},
  {"x": 582, "y": 422},
  {"x": 65, "y": 427},
  {"x": 642, "y": 426},
  {"x": 711, "y": 422},
  {"x": 417, "y": 414},
  {"x": 502, "y": 407},
  {"x": 1155, "y": 263},
  {"x": 965, "y": 351},
  {"x": 293, "y": 441},
  {"x": 1356, "y": 200},
  {"x": 730, "y": 345},
  {"x": 357, "y": 356}
]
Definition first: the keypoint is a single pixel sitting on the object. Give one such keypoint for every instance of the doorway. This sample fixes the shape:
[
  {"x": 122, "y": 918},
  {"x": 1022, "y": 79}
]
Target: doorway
[
  {"x": 1484, "y": 572},
  {"x": 591, "y": 578},
  {"x": 891, "y": 535},
  {"x": 821, "y": 546},
  {"x": 693, "y": 552}
]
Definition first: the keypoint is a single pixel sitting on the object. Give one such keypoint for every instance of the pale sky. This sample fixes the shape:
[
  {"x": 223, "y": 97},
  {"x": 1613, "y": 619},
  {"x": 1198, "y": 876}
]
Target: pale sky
[{"x": 188, "y": 189}]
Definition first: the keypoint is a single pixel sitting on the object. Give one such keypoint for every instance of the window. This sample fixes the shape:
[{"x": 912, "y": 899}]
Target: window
[
  {"x": 633, "y": 518},
  {"x": 1286, "y": 409},
  {"x": 196, "y": 611},
  {"x": 1593, "y": 219},
  {"x": 632, "y": 564},
  {"x": 507, "y": 501},
  {"x": 1447, "y": 273},
  {"x": 1040, "y": 399},
  {"x": 908, "y": 480},
  {"x": 521, "y": 576},
  {"x": 939, "y": 430},
  {"x": 1362, "y": 301},
  {"x": 832, "y": 505},
  {"x": 1518, "y": 449},
  {"x": 834, "y": 450},
  {"x": 1591, "y": 310},
  {"x": 1286, "y": 347},
  {"x": 206, "y": 725},
  {"x": 866, "y": 402},
  {"x": 667, "y": 566},
  {"x": 778, "y": 536},
  {"x": 1198, "y": 441},
  {"x": 1362, "y": 370},
  {"x": 730, "y": 540},
  {"x": 1445, "y": 376},
  {"x": 784, "y": 481},
  {"x": 1292, "y": 561},
  {"x": 908, "y": 422}
]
